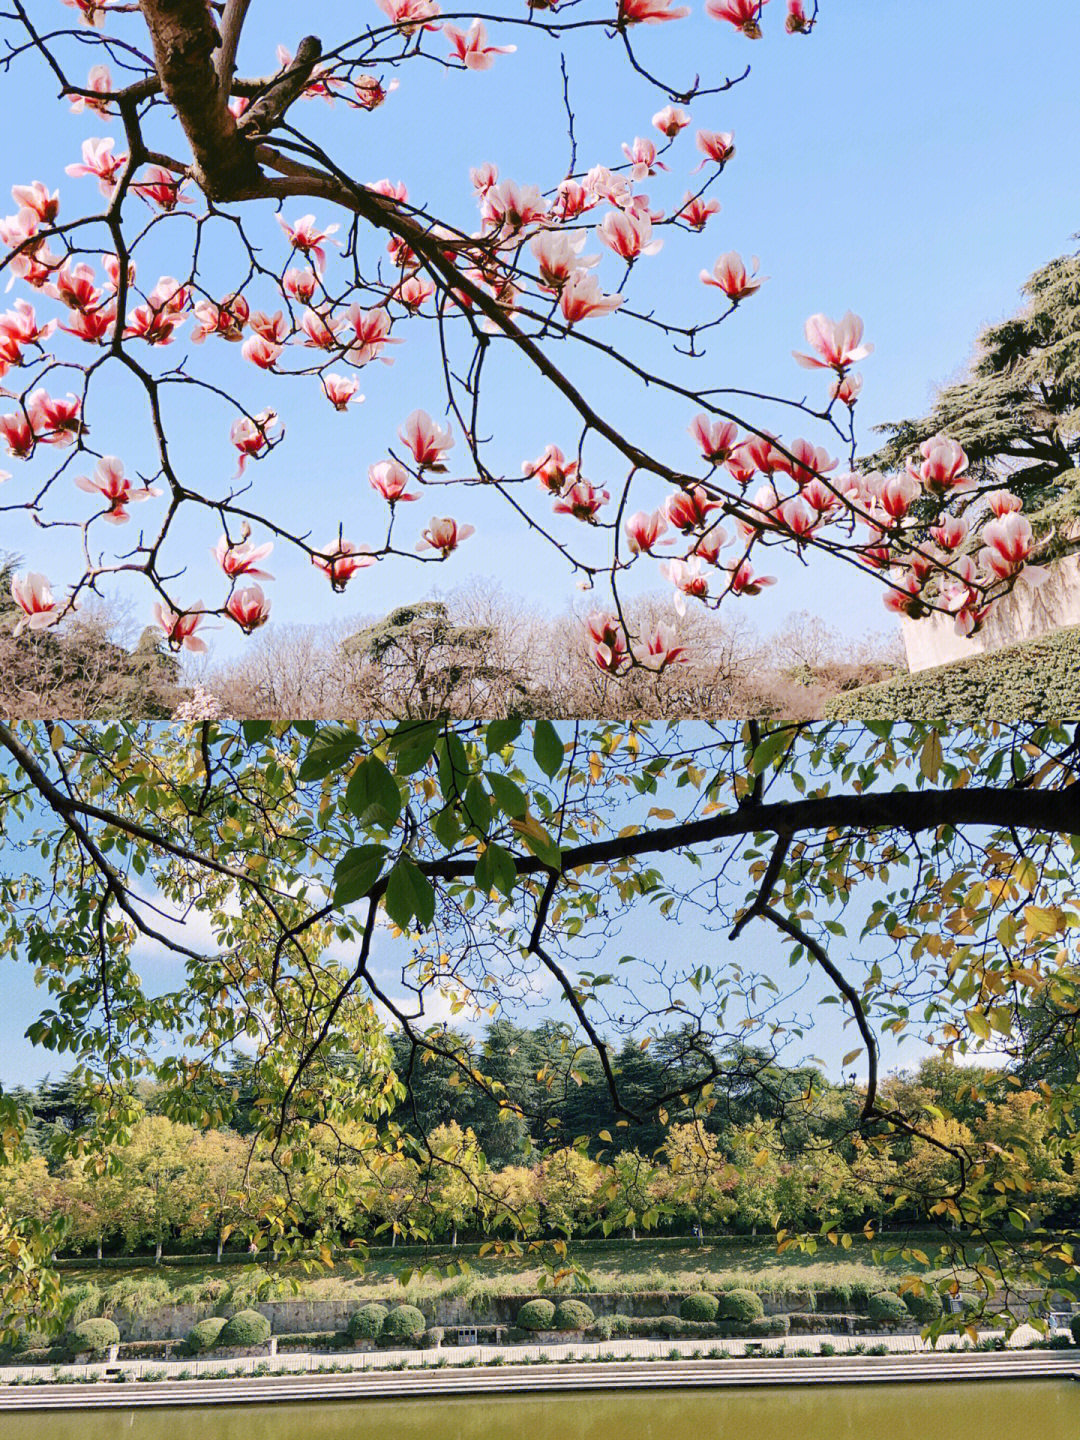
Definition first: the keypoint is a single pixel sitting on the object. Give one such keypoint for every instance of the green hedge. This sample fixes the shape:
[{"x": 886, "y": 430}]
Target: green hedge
[
  {"x": 1038, "y": 679},
  {"x": 92, "y": 1337},
  {"x": 204, "y": 1334},
  {"x": 888, "y": 1309},
  {"x": 925, "y": 1308},
  {"x": 740, "y": 1305},
  {"x": 536, "y": 1315},
  {"x": 1074, "y": 1326},
  {"x": 572, "y": 1315},
  {"x": 367, "y": 1322},
  {"x": 245, "y": 1329},
  {"x": 315, "y": 1340},
  {"x": 404, "y": 1323},
  {"x": 699, "y": 1306}
]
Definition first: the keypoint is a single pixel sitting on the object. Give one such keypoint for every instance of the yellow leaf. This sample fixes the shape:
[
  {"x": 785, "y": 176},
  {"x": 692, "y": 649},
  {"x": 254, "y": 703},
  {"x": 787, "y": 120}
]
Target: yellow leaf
[
  {"x": 596, "y": 767},
  {"x": 931, "y": 759},
  {"x": 979, "y": 1024},
  {"x": 850, "y": 1056},
  {"x": 761, "y": 1158},
  {"x": 1040, "y": 920}
]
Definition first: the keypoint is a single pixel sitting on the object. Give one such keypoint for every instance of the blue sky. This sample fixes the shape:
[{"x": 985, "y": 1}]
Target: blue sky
[{"x": 905, "y": 161}]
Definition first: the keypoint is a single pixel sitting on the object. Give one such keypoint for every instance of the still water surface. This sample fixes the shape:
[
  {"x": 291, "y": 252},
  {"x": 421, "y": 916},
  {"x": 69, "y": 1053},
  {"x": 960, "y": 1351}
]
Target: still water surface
[{"x": 986, "y": 1410}]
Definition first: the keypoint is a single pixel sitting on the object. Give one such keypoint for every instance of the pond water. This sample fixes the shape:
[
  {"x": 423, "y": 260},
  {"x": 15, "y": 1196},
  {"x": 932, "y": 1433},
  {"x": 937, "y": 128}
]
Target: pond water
[{"x": 985, "y": 1410}]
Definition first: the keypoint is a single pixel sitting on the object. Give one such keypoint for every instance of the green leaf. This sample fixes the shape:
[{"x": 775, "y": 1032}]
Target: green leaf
[
  {"x": 413, "y": 743},
  {"x": 331, "y": 747},
  {"x": 409, "y": 895},
  {"x": 495, "y": 870},
  {"x": 509, "y": 798},
  {"x": 356, "y": 872},
  {"x": 372, "y": 794},
  {"x": 767, "y": 751},
  {"x": 256, "y": 730},
  {"x": 548, "y": 749},
  {"x": 501, "y": 733}
]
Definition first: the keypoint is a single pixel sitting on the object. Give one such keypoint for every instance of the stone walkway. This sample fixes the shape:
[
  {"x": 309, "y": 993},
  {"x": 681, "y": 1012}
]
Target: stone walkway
[{"x": 299, "y": 1363}]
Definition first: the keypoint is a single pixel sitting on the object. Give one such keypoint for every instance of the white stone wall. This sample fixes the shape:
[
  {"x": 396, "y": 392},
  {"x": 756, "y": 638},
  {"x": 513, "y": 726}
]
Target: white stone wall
[{"x": 1028, "y": 612}]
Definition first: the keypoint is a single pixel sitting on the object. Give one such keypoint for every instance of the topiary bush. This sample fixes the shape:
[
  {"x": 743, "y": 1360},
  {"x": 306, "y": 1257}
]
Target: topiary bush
[
  {"x": 92, "y": 1337},
  {"x": 572, "y": 1315},
  {"x": 203, "y": 1335},
  {"x": 536, "y": 1315},
  {"x": 741, "y": 1305},
  {"x": 924, "y": 1309},
  {"x": 699, "y": 1306},
  {"x": 432, "y": 1337},
  {"x": 406, "y": 1322},
  {"x": 245, "y": 1329},
  {"x": 888, "y": 1309},
  {"x": 367, "y": 1322}
]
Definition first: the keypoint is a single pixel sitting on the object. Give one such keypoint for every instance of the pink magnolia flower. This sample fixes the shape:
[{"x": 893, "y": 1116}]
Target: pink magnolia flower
[
  {"x": 696, "y": 210},
  {"x": 643, "y": 161},
  {"x": 509, "y": 207},
  {"x": 904, "y": 595},
  {"x": 411, "y": 15},
  {"x": 38, "y": 198},
  {"x": 371, "y": 92},
  {"x": 741, "y": 464},
  {"x": 687, "y": 578},
  {"x": 249, "y": 607},
  {"x": 649, "y": 12},
  {"x": 18, "y": 434},
  {"x": 1007, "y": 543},
  {"x": 951, "y": 530},
  {"x": 558, "y": 255},
  {"x": 74, "y": 286},
  {"x": 943, "y": 465},
  {"x": 92, "y": 325},
  {"x": 341, "y": 391},
  {"x": 161, "y": 188},
  {"x": 846, "y": 388},
  {"x": 242, "y": 559},
  {"x": 628, "y": 233},
  {"x": 484, "y": 176},
  {"x": 110, "y": 482},
  {"x": 610, "y": 653},
  {"x": 670, "y": 121},
  {"x": 340, "y": 561},
  {"x": 821, "y": 497},
  {"x": 226, "y": 320},
  {"x": 582, "y": 500},
  {"x": 180, "y": 628},
  {"x": 572, "y": 199},
  {"x": 472, "y": 48},
  {"x": 372, "y": 331},
  {"x": 33, "y": 595},
  {"x": 743, "y": 14},
  {"x": 744, "y": 582},
  {"x": 688, "y": 510},
  {"x": 838, "y": 343},
  {"x": 391, "y": 480},
  {"x": 163, "y": 313},
  {"x": 716, "y": 145},
  {"x": 300, "y": 284},
  {"x": 306, "y": 237},
  {"x": 320, "y": 330},
  {"x": 896, "y": 495},
  {"x": 554, "y": 471},
  {"x": 55, "y": 421},
  {"x": 729, "y": 275},
  {"x": 414, "y": 292},
  {"x": 709, "y": 545},
  {"x": 445, "y": 535},
  {"x": 765, "y": 504},
  {"x": 98, "y": 160},
  {"x": 99, "y": 81},
  {"x": 716, "y": 438},
  {"x": 798, "y": 517},
  {"x": 1003, "y": 502},
  {"x": 19, "y": 327},
  {"x": 91, "y": 12},
  {"x": 643, "y": 530},
  {"x": 582, "y": 299},
  {"x": 661, "y": 649},
  {"x": 765, "y": 455},
  {"x": 805, "y": 462},
  {"x": 797, "y": 22},
  {"x": 274, "y": 328},
  {"x": 261, "y": 352},
  {"x": 426, "y": 441},
  {"x": 253, "y": 436}
]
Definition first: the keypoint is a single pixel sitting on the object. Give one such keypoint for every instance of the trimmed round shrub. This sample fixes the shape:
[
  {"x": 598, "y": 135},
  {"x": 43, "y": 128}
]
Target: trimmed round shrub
[
  {"x": 1074, "y": 1326},
  {"x": 924, "y": 1309},
  {"x": 741, "y": 1305},
  {"x": 572, "y": 1315},
  {"x": 536, "y": 1315},
  {"x": 888, "y": 1309},
  {"x": 92, "y": 1337},
  {"x": 203, "y": 1335},
  {"x": 245, "y": 1329},
  {"x": 367, "y": 1322},
  {"x": 404, "y": 1323},
  {"x": 432, "y": 1338},
  {"x": 700, "y": 1307}
]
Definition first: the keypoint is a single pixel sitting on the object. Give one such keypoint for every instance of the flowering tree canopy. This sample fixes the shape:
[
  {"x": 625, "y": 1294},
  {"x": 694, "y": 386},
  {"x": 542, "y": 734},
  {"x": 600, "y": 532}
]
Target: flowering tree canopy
[
  {"x": 209, "y": 248},
  {"x": 306, "y": 875}
]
